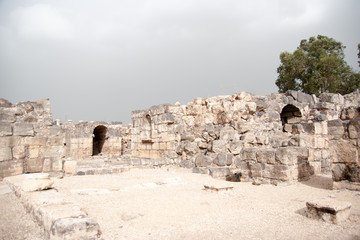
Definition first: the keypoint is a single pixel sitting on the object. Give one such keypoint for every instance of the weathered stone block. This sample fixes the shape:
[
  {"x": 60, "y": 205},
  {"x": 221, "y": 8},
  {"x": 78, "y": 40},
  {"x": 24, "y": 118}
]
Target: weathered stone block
[
  {"x": 5, "y": 129},
  {"x": 343, "y": 151},
  {"x": 222, "y": 159},
  {"x": 75, "y": 228},
  {"x": 57, "y": 164},
  {"x": 290, "y": 155},
  {"x": 18, "y": 152},
  {"x": 248, "y": 154},
  {"x": 235, "y": 147},
  {"x": 219, "y": 146},
  {"x": 219, "y": 172},
  {"x": 202, "y": 161},
  {"x": 336, "y": 129},
  {"x": 266, "y": 156},
  {"x": 36, "y": 182},
  {"x": 328, "y": 210},
  {"x": 70, "y": 167},
  {"x": 255, "y": 170},
  {"x": 23, "y": 129},
  {"x": 227, "y": 133},
  {"x": 34, "y": 165},
  {"x": 354, "y": 128},
  {"x": 279, "y": 172},
  {"x": 321, "y": 128},
  {"x": 11, "y": 168},
  {"x": 5, "y": 153}
]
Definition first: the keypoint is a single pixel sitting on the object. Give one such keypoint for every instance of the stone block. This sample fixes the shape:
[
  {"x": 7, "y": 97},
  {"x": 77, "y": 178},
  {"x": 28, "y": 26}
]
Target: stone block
[
  {"x": 56, "y": 164},
  {"x": 219, "y": 146},
  {"x": 19, "y": 152},
  {"x": 343, "y": 151},
  {"x": 34, "y": 165},
  {"x": 290, "y": 155},
  {"x": 223, "y": 159},
  {"x": 235, "y": 147},
  {"x": 354, "y": 128},
  {"x": 36, "y": 182},
  {"x": 75, "y": 228},
  {"x": 23, "y": 129},
  {"x": 5, "y": 153},
  {"x": 203, "y": 161},
  {"x": 200, "y": 170},
  {"x": 336, "y": 129},
  {"x": 278, "y": 172},
  {"x": 227, "y": 133},
  {"x": 47, "y": 165},
  {"x": 11, "y": 168},
  {"x": 265, "y": 156},
  {"x": 248, "y": 154},
  {"x": 255, "y": 170},
  {"x": 219, "y": 172},
  {"x": 328, "y": 210},
  {"x": 33, "y": 151},
  {"x": 70, "y": 167},
  {"x": 5, "y": 129},
  {"x": 321, "y": 128}
]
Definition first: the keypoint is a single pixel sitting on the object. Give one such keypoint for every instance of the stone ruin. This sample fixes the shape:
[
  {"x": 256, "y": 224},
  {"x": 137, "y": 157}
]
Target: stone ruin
[{"x": 269, "y": 139}]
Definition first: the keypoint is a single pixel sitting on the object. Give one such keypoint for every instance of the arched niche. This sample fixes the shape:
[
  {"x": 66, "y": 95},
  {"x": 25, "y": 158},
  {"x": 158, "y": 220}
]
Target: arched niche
[
  {"x": 99, "y": 137},
  {"x": 290, "y": 115}
]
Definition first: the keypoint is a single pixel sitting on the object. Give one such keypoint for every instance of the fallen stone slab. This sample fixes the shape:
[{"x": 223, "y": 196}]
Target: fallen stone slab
[
  {"x": 218, "y": 188},
  {"x": 328, "y": 210},
  {"x": 60, "y": 218}
]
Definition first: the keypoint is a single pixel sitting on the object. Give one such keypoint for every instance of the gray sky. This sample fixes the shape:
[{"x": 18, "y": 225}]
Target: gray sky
[{"x": 99, "y": 60}]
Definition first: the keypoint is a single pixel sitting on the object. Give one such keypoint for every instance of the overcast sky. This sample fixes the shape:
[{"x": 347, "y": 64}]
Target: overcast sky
[{"x": 101, "y": 59}]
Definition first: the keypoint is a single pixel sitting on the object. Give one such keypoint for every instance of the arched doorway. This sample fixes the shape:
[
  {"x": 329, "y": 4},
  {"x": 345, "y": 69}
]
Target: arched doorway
[
  {"x": 99, "y": 137},
  {"x": 290, "y": 115}
]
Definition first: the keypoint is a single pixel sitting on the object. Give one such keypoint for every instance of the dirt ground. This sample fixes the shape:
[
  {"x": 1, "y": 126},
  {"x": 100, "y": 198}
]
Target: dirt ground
[
  {"x": 15, "y": 223},
  {"x": 171, "y": 203}
]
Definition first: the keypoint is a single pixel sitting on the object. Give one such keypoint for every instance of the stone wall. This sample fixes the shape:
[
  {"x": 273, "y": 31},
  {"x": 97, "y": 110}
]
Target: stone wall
[
  {"x": 31, "y": 142},
  {"x": 273, "y": 138},
  {"x": 278, "y": 137}
]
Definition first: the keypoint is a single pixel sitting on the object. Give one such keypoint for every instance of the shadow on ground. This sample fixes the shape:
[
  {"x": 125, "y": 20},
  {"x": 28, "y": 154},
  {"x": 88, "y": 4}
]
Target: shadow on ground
[{"x": 319, "y": 181}]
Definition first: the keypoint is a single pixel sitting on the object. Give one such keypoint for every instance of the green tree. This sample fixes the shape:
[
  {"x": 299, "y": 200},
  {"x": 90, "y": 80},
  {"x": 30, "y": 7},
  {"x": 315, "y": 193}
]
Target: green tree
[{"x": 317, "y": 66}]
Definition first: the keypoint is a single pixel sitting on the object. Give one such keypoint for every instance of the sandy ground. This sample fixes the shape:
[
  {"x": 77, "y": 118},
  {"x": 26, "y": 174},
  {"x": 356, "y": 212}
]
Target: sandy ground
[
  {"x": 15, "y": 223},
  {"x": 171, "y": 203}
]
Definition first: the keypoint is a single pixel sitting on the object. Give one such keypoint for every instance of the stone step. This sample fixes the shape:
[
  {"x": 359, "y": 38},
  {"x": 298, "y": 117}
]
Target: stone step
[{"x": 100, "y": 170}]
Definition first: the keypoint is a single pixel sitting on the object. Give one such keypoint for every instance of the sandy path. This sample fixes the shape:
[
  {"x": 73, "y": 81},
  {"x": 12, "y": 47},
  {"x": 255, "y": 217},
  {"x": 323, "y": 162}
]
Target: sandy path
[
  {"x": 172, "y": 204},
  {"x": 15, "y": 223}
]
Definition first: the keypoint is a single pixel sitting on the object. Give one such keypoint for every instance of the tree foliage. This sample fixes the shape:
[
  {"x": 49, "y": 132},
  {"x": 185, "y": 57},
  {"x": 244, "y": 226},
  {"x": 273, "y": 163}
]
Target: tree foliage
[{"x": 317, "y": 66}]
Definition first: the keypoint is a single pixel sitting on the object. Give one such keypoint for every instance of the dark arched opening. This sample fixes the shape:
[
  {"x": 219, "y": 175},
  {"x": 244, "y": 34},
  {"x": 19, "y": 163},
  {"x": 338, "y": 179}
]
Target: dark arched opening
[
  {"x": 290, "y": 115},
  {"x": 99, "y": 138}
]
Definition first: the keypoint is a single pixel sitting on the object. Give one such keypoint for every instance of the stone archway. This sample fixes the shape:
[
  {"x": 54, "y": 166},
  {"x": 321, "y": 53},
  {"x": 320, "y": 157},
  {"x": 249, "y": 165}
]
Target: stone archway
[
  {"x": 99, "y": 137},
  {"x": 290, "y": 115}
]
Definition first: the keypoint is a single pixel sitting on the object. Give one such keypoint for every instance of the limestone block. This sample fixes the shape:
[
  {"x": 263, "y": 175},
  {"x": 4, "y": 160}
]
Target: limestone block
[
  {"x": 306, "y": 140},
  {"x": 290, "y": 155},
  {"x": 34, "y": 165},
  {"x": 266, "y": 156},
  {"x": 227, "y": 133},
  {"x": 35, "y": 141},
  {"x": 6, "y": 115},
  {"x": 336, "y": 129},
  {"x": 278, "y": 172},
  {"x": 354, "y": 128},
  {"x": 316, "y": 166},
  {"x": 47, "y": 165},
  {"x": 75, "y": 228},
  {"x": 328, "y": 210},
  {"x": 5, "y": 129},
  {"x": 219, "y": 172},
  {"x": 338, "y": 171},
  {"x": 52, "y": 151},
  {"x": 23, "y": 129},
  {"x": 255, "y": 170},
  {"x": 190, "y": 148},
  {"x": 219, "y": 146},
  {"x": 332, "y": 98},
  {"x": 321, "y": 128},
  {"x": 18, "y": 152},
  {"x": 57, "y": 164},
  {"x": 33, "y": 151},
  {"x": 223, "y": 159},
  {"x": 235, "y": 147},
  {"x": 248, "y": 154},
  {"x": 321, "y": 142},
  {"x": 70, "y": 167},
  {"x": 343, "y": 151},
  {"x": 36, "y": 182},
  {"x": 11, "y": 168},
  {"x": 251, "y": 107},
  {"x": 203, "y": 161},
  {"x": 5, "y": 153}
]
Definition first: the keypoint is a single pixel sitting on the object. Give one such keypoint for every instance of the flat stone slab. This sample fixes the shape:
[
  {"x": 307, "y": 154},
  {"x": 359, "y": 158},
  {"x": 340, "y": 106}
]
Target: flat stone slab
[
  {"x": 61, "y": 219},
  {"x": 328, "y": 210},
  {"x": 218, "y": 188}
]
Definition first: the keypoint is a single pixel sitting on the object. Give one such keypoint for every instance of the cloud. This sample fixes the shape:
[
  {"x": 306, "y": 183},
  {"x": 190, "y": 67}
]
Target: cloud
[{"x": 41, "y": 21}]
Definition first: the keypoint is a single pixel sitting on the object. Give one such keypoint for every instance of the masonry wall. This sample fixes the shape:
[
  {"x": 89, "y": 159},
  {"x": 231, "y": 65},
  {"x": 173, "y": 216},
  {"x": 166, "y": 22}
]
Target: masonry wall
[{"x": 247, "y": 134}]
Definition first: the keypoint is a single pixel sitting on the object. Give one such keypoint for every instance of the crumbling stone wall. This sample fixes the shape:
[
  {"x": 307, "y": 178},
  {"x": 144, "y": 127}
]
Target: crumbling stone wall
[
  {"x": 29, "y": 140},
  {"x": 278, "y": 137}
]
